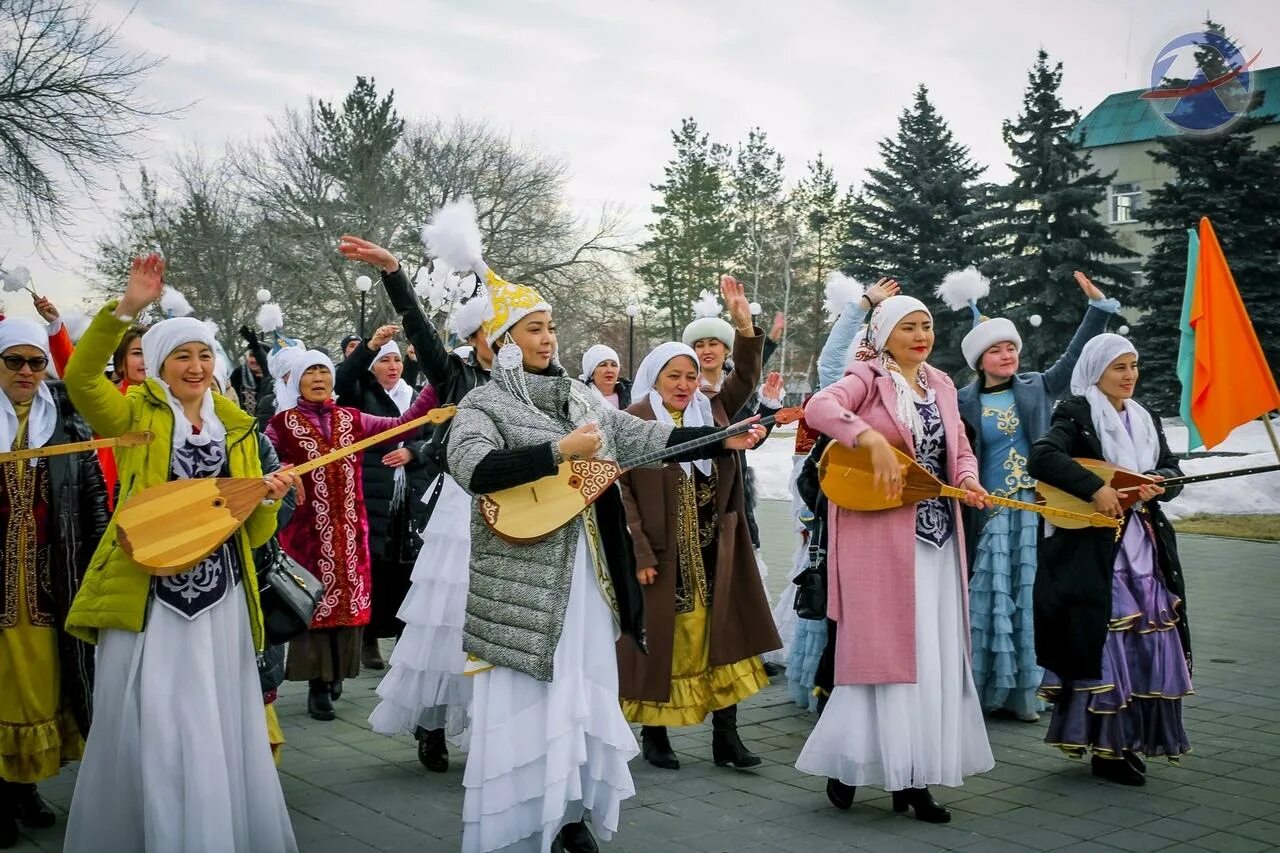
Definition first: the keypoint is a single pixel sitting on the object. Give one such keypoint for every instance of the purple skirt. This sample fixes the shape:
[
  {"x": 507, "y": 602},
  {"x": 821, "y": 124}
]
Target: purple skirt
[{"x": 1137, "y": 704}]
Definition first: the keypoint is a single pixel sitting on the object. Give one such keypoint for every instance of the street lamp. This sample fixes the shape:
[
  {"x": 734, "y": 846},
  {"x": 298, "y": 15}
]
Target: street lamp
[
  {"x": 363, "y": 284},
  {"x": 632, "y": 309}
]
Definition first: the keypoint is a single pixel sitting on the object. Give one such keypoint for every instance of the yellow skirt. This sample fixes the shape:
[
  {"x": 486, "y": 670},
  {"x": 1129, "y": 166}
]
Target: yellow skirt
[
  {"x": 37, "y": 735},
  {"x": 697, "y": 688},
  {"x": 275, "y": 734}
]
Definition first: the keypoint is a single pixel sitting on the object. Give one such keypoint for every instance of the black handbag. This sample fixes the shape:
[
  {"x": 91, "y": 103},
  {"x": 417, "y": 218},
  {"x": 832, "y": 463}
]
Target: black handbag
[
  {"x": 811, "y": 584},
  {"x": 288, "y": 592}
]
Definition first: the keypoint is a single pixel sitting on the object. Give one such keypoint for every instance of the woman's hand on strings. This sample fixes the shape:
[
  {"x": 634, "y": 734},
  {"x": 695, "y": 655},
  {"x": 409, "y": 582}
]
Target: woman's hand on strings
[
  {"x": 359, "y": 249},
  {"x": 1090, "y": 289},
  {"x": 280, "y": 481},
  {"x": 398, "y": 458},
  {"x": 647, "y": 576},
  {"x": 748, "y": 439},
  {"x": 146, "y": 282},
  {"x": 583, "y": 443},
  {"x": 974, "y": 494},
  {"x": 1107, "y": 501},
  {"x": 1149, "y": 491},
  {"x": 884, "y": 462}
]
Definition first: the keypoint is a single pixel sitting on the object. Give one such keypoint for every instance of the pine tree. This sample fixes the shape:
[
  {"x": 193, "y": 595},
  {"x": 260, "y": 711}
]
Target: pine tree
[
  {"x": 1048, "y": 225},
  {"x": 692, "y": 242},
  {"x": 823, "y": 215},
  {"x": 1226, "y": 178},
  {"x": 919, "y": 217},
  {"x": 757, "y": 209}
]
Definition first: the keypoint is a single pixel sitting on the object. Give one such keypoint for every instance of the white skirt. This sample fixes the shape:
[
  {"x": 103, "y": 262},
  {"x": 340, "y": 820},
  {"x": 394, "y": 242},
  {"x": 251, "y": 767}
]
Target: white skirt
[
  {"x": 910, "y": 735},
  {"x": 425, "y": 686},
  {"x": 177, "y": 759},
  {"x": 545, "y": 755}
]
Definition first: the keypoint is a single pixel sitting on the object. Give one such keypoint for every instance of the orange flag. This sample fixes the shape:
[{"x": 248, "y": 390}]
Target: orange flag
[{"x": 1231, "y": 384}]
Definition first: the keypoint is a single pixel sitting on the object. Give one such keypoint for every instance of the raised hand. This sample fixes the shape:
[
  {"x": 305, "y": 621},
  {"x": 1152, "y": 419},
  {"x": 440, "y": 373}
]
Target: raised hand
[
  {"x": 735, "y": 301},
  {"x": 880, "y": 291},
  {"x": 146, "y": 281},
  {"x": 359, "y": 249},
  {"x": 779, "y": 326},
  {"x": 384, "y": 334},
  {"x": 46, "y": 309},
  {"x": 772, "y": 391},
  {"x": 1090, "y": 289}
]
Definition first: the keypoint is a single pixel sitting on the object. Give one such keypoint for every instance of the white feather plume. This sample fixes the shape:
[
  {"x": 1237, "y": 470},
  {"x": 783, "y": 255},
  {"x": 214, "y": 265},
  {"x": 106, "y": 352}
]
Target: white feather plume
[
  {"x": 213, "y": 327},
  {"x": 173, "y": 303},
  {"x": 270, "y": 317},
  {"x": 840, "y": 291},
  {"x": 75, "y": 322},
  {"x": 453, "y": 236},
  {"x": 706, "y": 305},
  {"x": 958, "y": 289}
]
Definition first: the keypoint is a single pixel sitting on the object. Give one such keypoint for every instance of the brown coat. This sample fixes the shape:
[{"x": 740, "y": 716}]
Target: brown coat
[{"x": 741, "y": 623}]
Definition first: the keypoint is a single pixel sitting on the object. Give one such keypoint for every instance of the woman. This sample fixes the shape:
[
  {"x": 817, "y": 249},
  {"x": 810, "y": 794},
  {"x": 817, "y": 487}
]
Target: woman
[
  {"x": 549, "y": 744},
  {"x": 904, "y": 713},
  {"x": 329, "y": 532},
  {"x": 426, "y": 693},
  {"x": 148, "y": 783},
  {"x": 1004, "y": 411},
  {"x": 707, "y": 615},
  {"x": 395, "y": 479},
  {"x": 53, "y": 512},
  {"x": 1111, "y": 620},
  {"x": 600, "y": 373}
]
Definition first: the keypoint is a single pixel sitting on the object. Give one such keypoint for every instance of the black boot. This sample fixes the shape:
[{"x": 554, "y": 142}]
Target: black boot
[
  {"x": 926, "y": 807},
  {"x": 29, "y": 807},
  {"x": 370, "y": 654},
  {"x": 840, "y": 794},
  {"x": 319, "y": 701},
  {"x": 8, "y": 820},
  {"x": 656, "y": 748},
  {"x": 726, "y": 747},
  {"x": 335, "y": 690},
  {"x": 1117, "y": 770},
  {"x": 1135, "y": 761},
  {"x": 577, "y": 838},
  {"x": 433, "y": 752}
]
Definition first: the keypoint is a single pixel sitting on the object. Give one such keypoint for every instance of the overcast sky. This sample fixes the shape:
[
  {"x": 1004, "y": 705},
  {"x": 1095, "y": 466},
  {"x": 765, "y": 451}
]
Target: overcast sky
[{"x": 601, "y": 83}]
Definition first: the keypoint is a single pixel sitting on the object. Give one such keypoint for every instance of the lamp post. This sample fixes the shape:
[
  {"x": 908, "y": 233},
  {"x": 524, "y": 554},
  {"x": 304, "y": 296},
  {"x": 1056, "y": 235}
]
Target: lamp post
[
  {"x": 363, "y": 284},
  {"x": 632, "y": 309}
]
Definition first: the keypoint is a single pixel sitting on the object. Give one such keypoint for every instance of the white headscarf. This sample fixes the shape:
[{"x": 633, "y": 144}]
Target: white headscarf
[
  {"x": 158, "y": 343},
  {"x": 301, "y": 362},
  {"x": 1136, "y": 448},
  {"x": 869, "y": 345},
  {"x": 280, "y": 364},
  {"x": 696, "y": 414},
  {"x": 401, "y": 393},
  {"x": 592, "y": 358},
  {"x": 18, "y": 331}
]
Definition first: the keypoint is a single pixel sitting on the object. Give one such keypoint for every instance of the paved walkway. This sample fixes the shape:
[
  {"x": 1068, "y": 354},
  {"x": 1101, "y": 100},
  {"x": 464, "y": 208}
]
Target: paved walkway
[{"x": 350, "y": 790}]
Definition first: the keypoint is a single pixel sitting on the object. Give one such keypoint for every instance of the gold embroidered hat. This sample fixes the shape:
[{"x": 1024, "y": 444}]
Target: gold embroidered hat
[{"x": 511, "y": 304}]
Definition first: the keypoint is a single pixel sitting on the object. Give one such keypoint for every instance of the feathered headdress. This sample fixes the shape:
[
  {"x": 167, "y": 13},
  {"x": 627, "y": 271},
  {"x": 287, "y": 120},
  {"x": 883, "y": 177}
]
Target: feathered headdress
[
  {"x": 707, "y": 322},
  {"x": 963, "y": 289},
  {"x": 174, "y": 304},
  {"x": 271, "y": 320}
]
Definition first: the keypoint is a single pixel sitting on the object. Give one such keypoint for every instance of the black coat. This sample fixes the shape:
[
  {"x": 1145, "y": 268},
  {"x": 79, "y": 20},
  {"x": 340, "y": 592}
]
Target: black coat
[
  {"x": 1073, "y": 579},
  {"x": 357, "y": 387},
  {"x": 451, "y": 377},
  {"x": 78, "y": 518}
]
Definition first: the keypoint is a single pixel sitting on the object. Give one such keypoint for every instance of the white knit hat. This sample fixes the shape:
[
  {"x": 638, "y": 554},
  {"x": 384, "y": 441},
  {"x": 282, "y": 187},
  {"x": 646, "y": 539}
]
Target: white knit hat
[{"x": 986, "y": 333}]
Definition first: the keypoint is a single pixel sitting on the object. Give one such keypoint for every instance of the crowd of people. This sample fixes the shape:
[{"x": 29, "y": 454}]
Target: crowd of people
[{"x": 536, "y": 657}]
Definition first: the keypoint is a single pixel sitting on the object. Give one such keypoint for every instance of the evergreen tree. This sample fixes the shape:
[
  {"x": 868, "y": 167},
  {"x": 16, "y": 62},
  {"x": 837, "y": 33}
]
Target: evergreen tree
[
  {"x": 1048, "y": 225},
  {"x": 757, "y": 210},
  {"x": 919, "y": 217},
  {"x": 1225, "y": 177},
  {"x": 692, "y": 241},
  {"x": 822, "y": 212}
]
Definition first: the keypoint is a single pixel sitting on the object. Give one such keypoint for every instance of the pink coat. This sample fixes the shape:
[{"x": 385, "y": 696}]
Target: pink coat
[{"x": 871, "y": 555}]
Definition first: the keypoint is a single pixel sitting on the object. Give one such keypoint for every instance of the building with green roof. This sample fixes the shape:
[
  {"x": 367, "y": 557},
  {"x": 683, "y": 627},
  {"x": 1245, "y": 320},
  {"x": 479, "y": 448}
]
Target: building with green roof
[{"x": 1122, "y": 132}]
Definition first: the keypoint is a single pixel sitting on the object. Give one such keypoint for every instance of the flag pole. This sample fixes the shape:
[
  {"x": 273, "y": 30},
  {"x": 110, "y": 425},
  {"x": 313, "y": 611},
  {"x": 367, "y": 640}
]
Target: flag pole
[{"x": 1271, "y": 433}]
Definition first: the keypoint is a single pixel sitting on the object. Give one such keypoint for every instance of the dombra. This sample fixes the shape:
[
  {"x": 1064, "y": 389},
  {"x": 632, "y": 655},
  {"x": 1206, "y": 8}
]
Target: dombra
[
  {"x": 847, "y": 476},
  {"x": 533, "y": 511},
  {"x": 171, "y": 527},
  {"x": 129, "y": 439}
]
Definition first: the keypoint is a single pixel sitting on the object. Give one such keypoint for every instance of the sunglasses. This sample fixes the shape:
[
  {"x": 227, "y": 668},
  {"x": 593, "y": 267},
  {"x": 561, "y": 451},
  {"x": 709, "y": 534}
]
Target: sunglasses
[{"x": 15, "y": 362}]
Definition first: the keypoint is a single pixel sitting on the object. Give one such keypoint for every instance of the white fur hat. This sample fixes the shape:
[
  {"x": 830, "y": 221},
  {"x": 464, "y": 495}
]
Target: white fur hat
[
  {"x": 707, "y": 322},
  {"x": 987, "y": 333}
]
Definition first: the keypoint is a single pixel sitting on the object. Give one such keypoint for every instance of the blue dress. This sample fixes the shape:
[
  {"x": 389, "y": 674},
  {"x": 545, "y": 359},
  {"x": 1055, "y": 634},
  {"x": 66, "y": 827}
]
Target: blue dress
[{"x": 1004, "y": 570}]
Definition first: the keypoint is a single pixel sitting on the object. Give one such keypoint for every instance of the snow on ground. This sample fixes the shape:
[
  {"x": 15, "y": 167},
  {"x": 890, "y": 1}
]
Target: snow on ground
[{"x": 1260, "y": 493}]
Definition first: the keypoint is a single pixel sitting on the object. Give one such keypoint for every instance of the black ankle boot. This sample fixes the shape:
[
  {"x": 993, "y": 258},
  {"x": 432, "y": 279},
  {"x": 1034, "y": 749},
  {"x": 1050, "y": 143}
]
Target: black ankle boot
[
  {"x": 8, "y": 820},
  {"x": 1135, "y": 761},
  {"x": 726, "y": 747},
  {"x": 1117, "y": 770},
  {"x": 577, "y": 838},
  {"x": 840, "y": 794},
  {"x": 922, "y": 802},
  {"x": 433, "y": 752},
  {"x": 656, "y": 748},
  {"x": 319, "y": 700},
  {"x": 28, "y": 806},
  {"x": 335, "y": 690}
]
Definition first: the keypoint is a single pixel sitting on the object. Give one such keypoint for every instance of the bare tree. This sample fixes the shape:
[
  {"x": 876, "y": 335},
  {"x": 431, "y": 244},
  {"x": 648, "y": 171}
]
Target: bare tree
[{"x": 68, "y": 104}]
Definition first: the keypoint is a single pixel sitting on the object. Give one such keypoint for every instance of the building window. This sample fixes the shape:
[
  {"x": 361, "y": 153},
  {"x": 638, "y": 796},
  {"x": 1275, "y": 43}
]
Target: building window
[{"x": 1125, "y": 199}]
